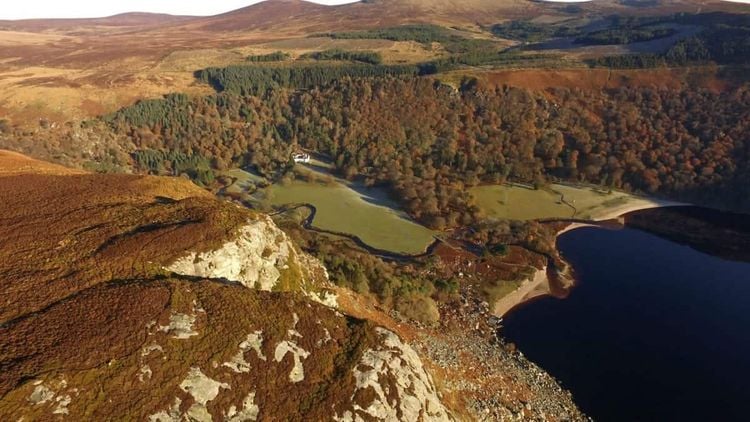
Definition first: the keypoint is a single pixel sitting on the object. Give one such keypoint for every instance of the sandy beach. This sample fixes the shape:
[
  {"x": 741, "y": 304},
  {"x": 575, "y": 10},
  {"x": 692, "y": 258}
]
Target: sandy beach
[
  {"x": 530, "y": 288},
  {"x": 635, "y": 204}
]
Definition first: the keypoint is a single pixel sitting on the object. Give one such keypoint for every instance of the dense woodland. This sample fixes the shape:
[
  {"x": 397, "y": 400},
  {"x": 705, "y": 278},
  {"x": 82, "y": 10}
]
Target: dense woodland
[
  {"x": 530, "y": 32},
  {"x": 277, "y": 56},
  {"x": 721, "y": 38},
  {"x": 255, "y": 80},
  {"x": 453, "y": 41},
  {"x": 427, "y": 141},
  {"x": 625, "y": 36},
  {"x": 370, "y": 57}
]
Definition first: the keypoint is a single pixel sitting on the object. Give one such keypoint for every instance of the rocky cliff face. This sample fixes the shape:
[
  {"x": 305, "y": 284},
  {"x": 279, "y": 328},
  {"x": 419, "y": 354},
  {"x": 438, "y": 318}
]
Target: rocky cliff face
[{"x": 261, "y": 257}]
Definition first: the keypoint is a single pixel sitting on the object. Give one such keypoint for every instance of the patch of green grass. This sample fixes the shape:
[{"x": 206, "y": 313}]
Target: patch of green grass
[
  {"x": 519, "y": 203},
  {"x": 367, "y": 214},
  {"x": 522, "y": 203}
]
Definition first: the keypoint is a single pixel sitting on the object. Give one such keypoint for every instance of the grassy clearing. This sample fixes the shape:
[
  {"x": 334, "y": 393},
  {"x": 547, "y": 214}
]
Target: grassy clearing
[
  {"x": 364, "y": 212},
  {"x": 522, "y": 203},
  {"x": 243, "y": 181}
]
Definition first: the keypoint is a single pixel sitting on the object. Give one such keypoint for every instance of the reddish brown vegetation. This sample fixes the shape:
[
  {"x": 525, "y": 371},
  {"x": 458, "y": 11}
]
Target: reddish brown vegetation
[
  {"x": 84, "y": 292},
  {"x": 65, "y": 234}
]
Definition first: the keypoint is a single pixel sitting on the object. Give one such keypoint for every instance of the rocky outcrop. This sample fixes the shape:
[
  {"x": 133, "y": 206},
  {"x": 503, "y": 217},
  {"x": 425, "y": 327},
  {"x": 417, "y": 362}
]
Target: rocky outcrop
[
  {"x": 208, "y": 351},
  {"x": 261, "y": 257},
  {"x": 393, "y": 368},
  {"x": 256, "y": 258}
]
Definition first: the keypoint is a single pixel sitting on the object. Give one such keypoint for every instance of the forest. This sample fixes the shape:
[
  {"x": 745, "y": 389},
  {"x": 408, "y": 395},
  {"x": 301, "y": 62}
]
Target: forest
[
  {"x": 722, "y": 45},
  {"x": 624, "y": 36},
  {"x": 277, "y": 56},
  {"x": 427, "y": 142},
  {"x": 175, "y": 163},
  {"x": 722, "y": 38},
  {"x": 255, "y": 80},
  {"x": 531, "y": 32},
  {"x": 369, "y": 57}
]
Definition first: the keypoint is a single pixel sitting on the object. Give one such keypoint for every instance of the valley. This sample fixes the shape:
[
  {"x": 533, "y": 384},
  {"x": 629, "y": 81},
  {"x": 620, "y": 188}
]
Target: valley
[{"x": 293, "y": 211}]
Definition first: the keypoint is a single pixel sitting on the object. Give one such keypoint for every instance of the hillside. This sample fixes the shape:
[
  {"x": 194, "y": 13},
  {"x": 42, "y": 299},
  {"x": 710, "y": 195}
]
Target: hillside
[{"x": 145, "y": 298}]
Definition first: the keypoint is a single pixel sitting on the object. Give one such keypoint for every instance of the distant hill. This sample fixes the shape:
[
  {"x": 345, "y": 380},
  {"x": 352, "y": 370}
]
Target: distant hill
[
  {"x": 299, "y": 16},
  {"x": 134, "y": 19}
]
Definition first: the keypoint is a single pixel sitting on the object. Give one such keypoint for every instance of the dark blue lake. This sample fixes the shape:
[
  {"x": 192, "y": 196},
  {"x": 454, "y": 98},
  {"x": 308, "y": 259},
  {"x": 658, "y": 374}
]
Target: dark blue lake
[{"x": 654, "y": 330}]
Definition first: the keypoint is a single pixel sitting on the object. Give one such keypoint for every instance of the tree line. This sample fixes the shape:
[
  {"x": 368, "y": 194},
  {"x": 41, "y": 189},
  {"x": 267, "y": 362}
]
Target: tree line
[
  {"x": 369, "y": 57},
  {"x": 725, "y": 39},
  {"x": 276, "y": 56},
  {"x": 253, "y": 80}
]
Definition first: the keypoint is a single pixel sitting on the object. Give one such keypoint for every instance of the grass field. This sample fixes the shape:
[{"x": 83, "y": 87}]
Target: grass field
[
  {"x": 364, "y": 212},
  {"x": 514, "y": 202}
]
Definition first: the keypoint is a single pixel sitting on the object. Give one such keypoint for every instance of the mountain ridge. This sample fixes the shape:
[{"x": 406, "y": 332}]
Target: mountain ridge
[{"x": 304, "y": 14}]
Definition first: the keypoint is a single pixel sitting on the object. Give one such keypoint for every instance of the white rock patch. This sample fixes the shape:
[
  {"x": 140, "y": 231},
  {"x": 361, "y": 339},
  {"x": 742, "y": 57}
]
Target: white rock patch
[
  {"x": 238, "y": 363},
  {"x": 253, "y": 259},
  {"x": 62, "y": 405},
  {"x": 249, "y": 411},
  {"x": 41, "y": 394},
  {"x": 153, "y": 347},
  {"x": 255, "y": 342},
  {"x": 297, "y": 373},
  {"x": 293, "y": 332},
  {"x": 180, "y": 326},
  {"x": 145, "y": 373},
  {"x": 325, "y": 298},
  {"x": 44, "y": 394},
  {"x": 327, "y": 338},
  {"x": 203, "y": 389},
  {"x": 396, "y": 361}
]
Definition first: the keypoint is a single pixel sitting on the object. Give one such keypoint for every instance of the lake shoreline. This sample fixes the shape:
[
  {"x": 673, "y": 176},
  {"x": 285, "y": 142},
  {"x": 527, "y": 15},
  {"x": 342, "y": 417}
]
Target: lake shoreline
[
  {"x": 650, "y": 318},
  {"x": 531, "y": 288},
  {"x": 540, "y": 285}
]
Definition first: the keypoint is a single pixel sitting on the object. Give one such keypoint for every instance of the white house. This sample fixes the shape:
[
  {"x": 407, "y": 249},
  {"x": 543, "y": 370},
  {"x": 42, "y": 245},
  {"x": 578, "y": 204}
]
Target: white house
[{"x": 301, "y": 157}]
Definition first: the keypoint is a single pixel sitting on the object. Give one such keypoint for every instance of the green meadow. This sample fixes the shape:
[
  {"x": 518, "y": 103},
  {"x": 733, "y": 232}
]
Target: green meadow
[
  {"x": 517, "y": 202},
  {"x": 367, "y": 213}
]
